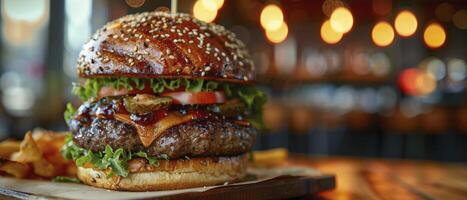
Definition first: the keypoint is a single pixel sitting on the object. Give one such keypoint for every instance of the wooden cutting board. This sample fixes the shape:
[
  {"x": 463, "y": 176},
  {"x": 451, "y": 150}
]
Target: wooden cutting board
[{"x": 277, "y": 188}]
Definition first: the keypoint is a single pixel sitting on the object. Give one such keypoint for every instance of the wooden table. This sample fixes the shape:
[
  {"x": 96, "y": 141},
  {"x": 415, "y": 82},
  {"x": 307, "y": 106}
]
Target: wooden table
[{"x": 389, "y": 179}]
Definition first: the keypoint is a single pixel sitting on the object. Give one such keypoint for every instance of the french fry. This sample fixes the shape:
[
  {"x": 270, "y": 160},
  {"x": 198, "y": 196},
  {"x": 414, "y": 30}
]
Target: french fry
[
  {"x": 16, "y": 169},
  {"x": 28, "y": 151},
  {"x": 270, "y": 157},
  {"x": 31, "y": 153},
  {"x": 8, "y": 147},
  {"x": 44, "y": 168},
  {"x": 38, "y": 155},
  {"x": 50, "y": 144}
]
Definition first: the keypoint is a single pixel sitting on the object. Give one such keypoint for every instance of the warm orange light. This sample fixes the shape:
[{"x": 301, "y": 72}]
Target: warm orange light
[
  {"x": 271, "y": 17},
  {"x": 405, "y": 23},
  {"x": 341, "y": 20},
  {"x": 328, "y": 34},
  {"x": 202, "y": 13},
  {"x": 415, "y": 82},
  {"x": 382, "y": 34},
  {"x": 407, "y": 81},
  {"x": 212, "y": 4},
  {"x": 425, "y": 83},
  {"x": 279, "y": 35},
  {"x": 434, "y": 35},
  {"x": 135, "y": 3}
]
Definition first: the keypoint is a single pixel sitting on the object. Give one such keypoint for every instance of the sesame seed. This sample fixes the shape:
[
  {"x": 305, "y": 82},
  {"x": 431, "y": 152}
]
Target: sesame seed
[{"x": 207, "y": 68}]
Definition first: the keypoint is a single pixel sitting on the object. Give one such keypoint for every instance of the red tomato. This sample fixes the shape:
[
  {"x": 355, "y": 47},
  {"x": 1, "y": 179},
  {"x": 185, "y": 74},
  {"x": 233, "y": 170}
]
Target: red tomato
[{"x": 185, "y": 98}]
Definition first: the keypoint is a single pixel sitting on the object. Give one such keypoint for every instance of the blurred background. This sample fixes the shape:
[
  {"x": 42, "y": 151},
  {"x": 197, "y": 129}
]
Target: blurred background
[{"x": 368, "y": 78}]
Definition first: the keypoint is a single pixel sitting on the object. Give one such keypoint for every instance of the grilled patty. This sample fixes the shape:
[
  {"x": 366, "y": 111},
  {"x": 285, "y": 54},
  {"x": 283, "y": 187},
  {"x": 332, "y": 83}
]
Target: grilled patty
[{"x": 213, "y": 136}]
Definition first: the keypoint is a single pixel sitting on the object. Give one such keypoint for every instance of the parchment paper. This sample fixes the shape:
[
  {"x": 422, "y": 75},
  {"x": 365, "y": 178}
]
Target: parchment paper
[{"x": 81, "y": 191}]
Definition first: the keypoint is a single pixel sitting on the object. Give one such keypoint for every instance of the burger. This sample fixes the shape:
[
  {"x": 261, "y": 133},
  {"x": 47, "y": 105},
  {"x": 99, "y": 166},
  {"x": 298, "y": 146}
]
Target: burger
[{"x": 169, "y": 102}]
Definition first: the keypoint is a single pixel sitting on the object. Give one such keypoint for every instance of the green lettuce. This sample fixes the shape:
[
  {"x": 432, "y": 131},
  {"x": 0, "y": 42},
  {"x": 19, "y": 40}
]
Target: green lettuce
[
  {"x": 70, "y": 110},
  {"x": 90, "y": 88},
  {"x": 115, "y": 160},
  {"x": 65, "y": 179},
  {"x": 252, "y": 97}
]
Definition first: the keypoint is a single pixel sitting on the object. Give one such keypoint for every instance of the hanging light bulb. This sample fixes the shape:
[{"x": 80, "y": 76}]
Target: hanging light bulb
[
  {"x": 328, "y": 34},
  {"x": 382, "y": 34},
  {"x": 341, "y": 20},
  {"x": 213, "y": 4},
  {"x": 271, "y": 17},
  {"x": 203, "y": 13},
  {"x": 434, "y": 35},
  {"x": 405, "y": 23},
  {"x": 279, "y": 35}
]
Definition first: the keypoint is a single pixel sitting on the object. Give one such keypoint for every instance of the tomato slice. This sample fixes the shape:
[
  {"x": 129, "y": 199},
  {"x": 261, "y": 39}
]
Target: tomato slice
[
  {"x": 179, "y": 97},
  {"x": 190, "y": 98}
]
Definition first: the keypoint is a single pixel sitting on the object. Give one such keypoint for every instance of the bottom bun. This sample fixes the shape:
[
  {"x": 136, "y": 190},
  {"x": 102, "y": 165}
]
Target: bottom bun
[{"x": 171, "y": 174}]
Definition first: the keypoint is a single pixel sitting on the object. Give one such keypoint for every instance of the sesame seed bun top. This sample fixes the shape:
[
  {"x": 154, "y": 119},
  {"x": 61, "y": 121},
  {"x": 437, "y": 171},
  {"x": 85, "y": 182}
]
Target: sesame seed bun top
[{"x": 164, "y": 45}]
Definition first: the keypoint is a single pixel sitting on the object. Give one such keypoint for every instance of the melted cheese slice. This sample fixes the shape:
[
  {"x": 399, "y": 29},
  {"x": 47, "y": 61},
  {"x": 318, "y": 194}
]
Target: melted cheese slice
[{"x": 147, "y": 134}]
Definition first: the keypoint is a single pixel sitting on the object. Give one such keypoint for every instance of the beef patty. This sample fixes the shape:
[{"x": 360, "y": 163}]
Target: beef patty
[{"x": 214, "y": 136}]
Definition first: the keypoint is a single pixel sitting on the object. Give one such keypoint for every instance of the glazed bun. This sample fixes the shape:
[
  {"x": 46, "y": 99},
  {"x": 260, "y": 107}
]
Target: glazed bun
[
  {"x": 164, "y": 45},
  {"x": 171, "y": 174}
]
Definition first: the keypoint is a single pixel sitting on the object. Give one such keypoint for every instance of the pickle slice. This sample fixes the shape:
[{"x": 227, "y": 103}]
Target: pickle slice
[{"x": 145, "y": 103}]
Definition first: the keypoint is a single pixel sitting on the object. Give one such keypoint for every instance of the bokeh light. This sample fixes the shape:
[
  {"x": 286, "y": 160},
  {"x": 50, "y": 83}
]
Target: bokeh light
[
  {"x": 330, "y": 5},
  {"x": 444, "y": 11},
  {"x": 435, "y": 67},
  {"x": 271, "y": 17},
  {"x": 407, "y": 80},
  {"x": 434, "y": 35},
  {"x": 341, "y": 20},
  {"x": 425, "y": 83},
  {"x": 457, "y": 69},
  {"x": 135, "y": 3},
  {"x": 380, "y": 65},
  {"x": 212, "y": 4},
  {"x": 278, "y": 35},
  {"x": 328, "y": 34},
  {"x": 23, "y": 10},
  {"x": 382, "y": 34},
  {"x": 405, "y": 23},
  {"x": 415, "y": 82},
  {"x": 202, "y": 13},
  {"x": 460, "y": 19}
]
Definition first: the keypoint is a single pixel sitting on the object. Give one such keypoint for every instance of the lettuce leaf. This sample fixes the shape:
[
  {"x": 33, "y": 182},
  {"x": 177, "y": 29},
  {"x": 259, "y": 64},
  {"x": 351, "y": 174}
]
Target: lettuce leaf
[
  {"x": 70, "y": 110},
  {"x": 250, "y": 95},
  {"x": 65, "y": 179},
  {"x": 115, "y": 160}
]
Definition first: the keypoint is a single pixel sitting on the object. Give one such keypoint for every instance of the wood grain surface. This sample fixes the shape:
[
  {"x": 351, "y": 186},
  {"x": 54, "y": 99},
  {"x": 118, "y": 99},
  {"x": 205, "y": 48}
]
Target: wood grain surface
[{"x": 389, "y": 179}]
